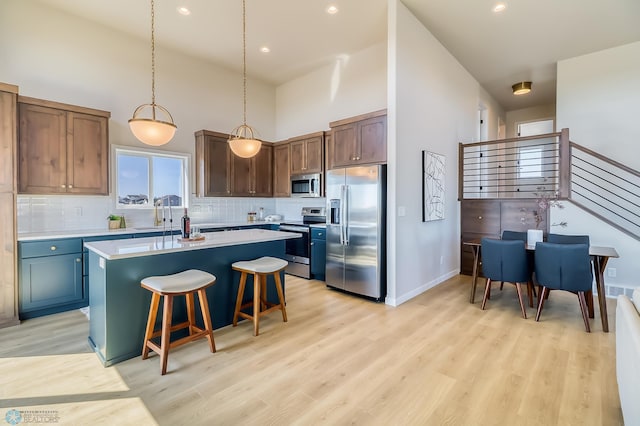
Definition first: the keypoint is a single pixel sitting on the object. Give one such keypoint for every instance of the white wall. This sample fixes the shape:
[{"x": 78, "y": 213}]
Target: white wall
[
  {"x": 56, "y": 56},
  {"x": 539, "y": 112},
  {"x": 494, "y": 112},
  {"x": 433, "y": 105},
  {"x": 598, "y": 99},
  {"x": 353, "y": 85}
]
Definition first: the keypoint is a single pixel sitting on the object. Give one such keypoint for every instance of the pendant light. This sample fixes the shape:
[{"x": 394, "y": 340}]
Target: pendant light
[
  {"x": 152, "y": 131},
  {"x": 241, "y": 140}
]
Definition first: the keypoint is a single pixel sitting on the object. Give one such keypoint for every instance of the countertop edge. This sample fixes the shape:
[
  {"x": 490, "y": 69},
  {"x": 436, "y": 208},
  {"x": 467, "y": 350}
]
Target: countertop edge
[
  {"x": 106, "y": 248},
  {"x": 80, "y": 233}
]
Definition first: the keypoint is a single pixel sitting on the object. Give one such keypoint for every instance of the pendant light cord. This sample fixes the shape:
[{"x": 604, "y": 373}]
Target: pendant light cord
[
  {"x": 153, "y": 61},
  {"x": 244, "y": 62}
]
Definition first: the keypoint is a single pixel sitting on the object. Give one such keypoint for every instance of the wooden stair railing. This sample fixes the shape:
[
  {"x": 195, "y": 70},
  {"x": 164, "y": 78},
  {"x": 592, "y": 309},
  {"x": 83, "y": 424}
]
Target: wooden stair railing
[{"x": 525, "y": 167}]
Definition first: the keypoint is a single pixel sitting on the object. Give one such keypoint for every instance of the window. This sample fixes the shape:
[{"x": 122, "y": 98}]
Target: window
[{"x": 147, "y": 177}]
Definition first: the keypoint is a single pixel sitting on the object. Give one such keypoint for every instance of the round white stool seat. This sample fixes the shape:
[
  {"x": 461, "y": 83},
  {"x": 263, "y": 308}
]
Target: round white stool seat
[
  {"x": 186, "y": 281},
  {"x": 263, "y": 265}
]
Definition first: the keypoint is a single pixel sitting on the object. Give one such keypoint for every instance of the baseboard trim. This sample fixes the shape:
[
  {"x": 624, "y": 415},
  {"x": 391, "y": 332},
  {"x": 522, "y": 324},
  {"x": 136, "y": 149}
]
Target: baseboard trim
[{"x": 396, "y": 301}]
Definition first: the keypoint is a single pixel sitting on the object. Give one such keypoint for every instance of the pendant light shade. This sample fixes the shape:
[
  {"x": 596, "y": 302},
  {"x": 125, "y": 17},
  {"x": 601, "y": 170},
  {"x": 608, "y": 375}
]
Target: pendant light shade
[
  {"x": 241, "y": 140},
  {"x": 521, "y": 88},
  {"x": 150, "y": 130}
]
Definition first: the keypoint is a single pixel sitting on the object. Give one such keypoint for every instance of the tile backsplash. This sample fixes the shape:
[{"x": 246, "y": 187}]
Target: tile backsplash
[{"x": 43, "y": 213}]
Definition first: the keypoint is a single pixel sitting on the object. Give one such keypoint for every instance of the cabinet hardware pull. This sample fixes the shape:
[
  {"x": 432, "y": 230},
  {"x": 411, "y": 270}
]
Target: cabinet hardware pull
[
  {"x": 78, "y": 260},
  {"x": 480, "y": 217},
  {"x": 63, "y": 186},
  {"x": 70, "y": 186},
  {"x": 54, "y": 248}
]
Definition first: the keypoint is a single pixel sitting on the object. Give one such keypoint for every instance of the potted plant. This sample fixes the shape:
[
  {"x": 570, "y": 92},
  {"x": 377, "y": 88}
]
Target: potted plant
[
  {"x": 544, "y": 200},
  {"x": 114, "y": 221}
]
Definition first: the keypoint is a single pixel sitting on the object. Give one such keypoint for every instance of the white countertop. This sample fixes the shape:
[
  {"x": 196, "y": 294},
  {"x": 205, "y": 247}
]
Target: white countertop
[
  {"x": 33, "y": 236},
  {"x": 127, "y": 248}
]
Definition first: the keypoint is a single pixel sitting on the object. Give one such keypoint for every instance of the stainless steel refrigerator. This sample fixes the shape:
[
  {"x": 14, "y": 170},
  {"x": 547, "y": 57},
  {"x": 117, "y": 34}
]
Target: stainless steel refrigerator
[{"x": 356, "y": 225}]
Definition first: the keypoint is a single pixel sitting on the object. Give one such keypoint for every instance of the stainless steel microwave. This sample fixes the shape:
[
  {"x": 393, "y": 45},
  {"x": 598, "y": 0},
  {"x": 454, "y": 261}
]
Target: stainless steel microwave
[{"x": 306, "y": 185}]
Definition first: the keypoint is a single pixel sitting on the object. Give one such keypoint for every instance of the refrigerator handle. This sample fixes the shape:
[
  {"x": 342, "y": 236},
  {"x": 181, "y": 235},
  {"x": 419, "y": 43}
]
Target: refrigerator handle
[
  {"x": 342, "y": 207},
  {"x": 346, "y": 215}
]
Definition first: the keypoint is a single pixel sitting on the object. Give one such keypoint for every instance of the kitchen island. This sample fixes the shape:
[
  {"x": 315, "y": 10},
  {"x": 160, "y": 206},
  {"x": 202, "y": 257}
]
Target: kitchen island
[{"x": 119, "y": 305}]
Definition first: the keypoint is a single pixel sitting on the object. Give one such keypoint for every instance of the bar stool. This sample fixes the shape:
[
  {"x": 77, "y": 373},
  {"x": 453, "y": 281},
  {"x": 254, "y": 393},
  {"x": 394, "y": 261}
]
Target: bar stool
[
  {"x": 260, "y": 269},
  {"x": 183, "y": 283}
]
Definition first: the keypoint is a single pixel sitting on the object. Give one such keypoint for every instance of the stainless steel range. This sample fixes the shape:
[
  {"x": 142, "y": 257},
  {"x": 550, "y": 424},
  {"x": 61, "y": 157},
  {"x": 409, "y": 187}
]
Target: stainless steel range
[{"x": 298, "y": 250}]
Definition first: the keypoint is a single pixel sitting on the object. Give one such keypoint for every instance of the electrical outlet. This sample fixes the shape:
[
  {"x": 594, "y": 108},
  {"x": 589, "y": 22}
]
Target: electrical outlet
[{"x": 611, "y": 272}]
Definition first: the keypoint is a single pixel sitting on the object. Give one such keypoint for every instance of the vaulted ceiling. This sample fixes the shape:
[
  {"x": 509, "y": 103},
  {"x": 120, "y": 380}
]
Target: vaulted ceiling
[{"x": 521, "y": 43}]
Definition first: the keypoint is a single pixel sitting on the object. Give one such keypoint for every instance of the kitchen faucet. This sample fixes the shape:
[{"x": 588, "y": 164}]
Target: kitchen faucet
[
  {"x": 157, "y": 221},
  {"x": 156, "y": 218}
]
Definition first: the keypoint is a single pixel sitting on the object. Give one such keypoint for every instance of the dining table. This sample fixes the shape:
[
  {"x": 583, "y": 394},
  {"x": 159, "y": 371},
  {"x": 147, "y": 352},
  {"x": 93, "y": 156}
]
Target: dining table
[{"x": 599, "y": 255}]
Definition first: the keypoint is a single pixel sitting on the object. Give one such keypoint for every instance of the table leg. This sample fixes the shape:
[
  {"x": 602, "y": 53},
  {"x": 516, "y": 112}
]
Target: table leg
[
  {"x": 599, "y": 265},
  {"x": 474, "y": 276}
]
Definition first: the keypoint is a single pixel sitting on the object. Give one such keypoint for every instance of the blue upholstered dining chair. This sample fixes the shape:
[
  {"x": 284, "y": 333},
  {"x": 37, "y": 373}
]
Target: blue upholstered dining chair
[
  {"x": 506, "y": 261},
  {"x": 564, "y": 267},
  {"x": 522, "y": 236},
  {"x": 568, "y": 239}
]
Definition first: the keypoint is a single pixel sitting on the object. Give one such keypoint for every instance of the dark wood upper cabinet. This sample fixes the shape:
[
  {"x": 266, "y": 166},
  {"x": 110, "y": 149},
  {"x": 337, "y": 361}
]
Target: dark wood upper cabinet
[
  {"x": 281, "y": 173},
  {"x": 306, "y": 153},
  {"x": 213, "y": 164},
  {"x": 252, "y": 177},
  {"x": 220, "y": 173},
  {"x": 358, "y": 140},
  {"x": 62, "y": 149}
]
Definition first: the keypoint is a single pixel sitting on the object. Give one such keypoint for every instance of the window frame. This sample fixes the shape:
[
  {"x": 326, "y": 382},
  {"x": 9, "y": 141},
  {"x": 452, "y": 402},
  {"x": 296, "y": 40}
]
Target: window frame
[{"x": 149, "y": 154}]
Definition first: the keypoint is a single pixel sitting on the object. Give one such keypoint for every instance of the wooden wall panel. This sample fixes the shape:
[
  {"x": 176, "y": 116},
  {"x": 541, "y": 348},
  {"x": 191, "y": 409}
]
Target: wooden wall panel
[{"x": 8, "y": 191}]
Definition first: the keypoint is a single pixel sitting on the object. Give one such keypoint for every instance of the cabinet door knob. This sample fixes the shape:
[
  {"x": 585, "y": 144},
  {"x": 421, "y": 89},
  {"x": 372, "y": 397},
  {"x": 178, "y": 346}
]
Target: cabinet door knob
[
  {"x": 311, "y": 244},
  {"x": 63, "y": 186},
  {"x": 357, "y": 158},
  {"x": 78, "y": 260},
  {"x": 480, "y": 217},
  {"x": 70, "y": 186},
  {"x": 53, "y": 248}
]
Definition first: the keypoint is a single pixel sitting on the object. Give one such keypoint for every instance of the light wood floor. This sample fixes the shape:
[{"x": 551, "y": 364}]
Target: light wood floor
[{"x": 339, "y": 360}]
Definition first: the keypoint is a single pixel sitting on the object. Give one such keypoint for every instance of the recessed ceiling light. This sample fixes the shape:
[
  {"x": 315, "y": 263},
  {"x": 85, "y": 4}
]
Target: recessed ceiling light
[
  {"x": 265, "y": 49},
  {"x": 499, "y": 7},
  {"x": 183, "y": 11},
  {"x": 332, "y": 10}
]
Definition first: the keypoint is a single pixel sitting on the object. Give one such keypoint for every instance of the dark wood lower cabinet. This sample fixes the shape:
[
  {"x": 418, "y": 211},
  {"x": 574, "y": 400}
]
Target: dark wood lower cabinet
[{"x": 488, "y": 218}]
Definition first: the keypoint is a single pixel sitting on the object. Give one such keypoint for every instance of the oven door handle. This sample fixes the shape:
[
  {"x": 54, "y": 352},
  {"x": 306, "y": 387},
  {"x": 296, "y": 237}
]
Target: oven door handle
[{"x": 294, "y": 228}]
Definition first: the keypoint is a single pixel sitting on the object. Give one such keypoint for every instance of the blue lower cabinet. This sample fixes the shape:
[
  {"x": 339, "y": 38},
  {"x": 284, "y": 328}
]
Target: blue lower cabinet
[
  {"x": 50, "y": 277},
  {"x": 85, "y": 257},
  {"x": 318, "y": 253}
]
